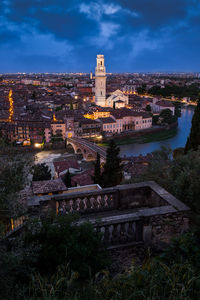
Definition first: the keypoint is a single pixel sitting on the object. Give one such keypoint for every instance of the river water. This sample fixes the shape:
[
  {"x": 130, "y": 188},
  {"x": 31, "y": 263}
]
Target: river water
[{"x": 179, "y": 140}]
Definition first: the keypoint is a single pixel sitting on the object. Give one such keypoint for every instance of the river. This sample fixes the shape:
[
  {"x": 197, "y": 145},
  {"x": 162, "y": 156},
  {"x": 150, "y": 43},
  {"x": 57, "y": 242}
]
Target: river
[{"x": 179, "y": 140}]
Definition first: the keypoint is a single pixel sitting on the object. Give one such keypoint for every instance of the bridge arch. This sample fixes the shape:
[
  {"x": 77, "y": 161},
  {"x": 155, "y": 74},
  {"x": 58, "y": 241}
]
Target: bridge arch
[
  {"x": 90, "y": 156},
  {"x": 70, "y": 148},
  {"x": 79, "y": 151},
  {"x": 87, "y": 149}
]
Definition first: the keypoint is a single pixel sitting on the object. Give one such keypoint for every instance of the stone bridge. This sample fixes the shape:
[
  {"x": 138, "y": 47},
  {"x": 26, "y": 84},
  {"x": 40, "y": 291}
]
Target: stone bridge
[{"x": 87, "y": 149}]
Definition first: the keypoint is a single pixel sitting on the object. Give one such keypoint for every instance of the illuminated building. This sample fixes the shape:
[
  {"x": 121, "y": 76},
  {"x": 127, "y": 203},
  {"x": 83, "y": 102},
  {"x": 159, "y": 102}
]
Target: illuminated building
[
  {"x": 100, "y": 82},
  {"x": 97, "y": 114}
]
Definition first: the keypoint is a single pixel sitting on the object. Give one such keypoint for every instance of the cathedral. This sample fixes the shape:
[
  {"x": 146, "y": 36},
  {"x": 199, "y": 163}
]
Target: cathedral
[{"x": 117, "y": 99}]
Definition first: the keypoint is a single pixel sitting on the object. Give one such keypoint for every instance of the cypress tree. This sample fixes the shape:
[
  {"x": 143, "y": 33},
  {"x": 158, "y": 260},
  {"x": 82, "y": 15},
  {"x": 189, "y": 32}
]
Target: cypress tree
[
  {"x": 67, "y": 179},
  {"x": 112, "y": 174},
  {"x": 193, "y": 141},
  {"x": 97, "y": 170}
]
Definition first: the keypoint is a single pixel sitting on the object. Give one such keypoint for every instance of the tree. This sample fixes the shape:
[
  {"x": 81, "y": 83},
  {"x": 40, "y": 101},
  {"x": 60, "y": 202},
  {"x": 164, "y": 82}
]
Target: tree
[
  {"x": 141, "y": 90},
  {"x": 41, "y": 172},
  {"x": 67, "y": 179},
  {"x": 62, "y": 240},
  {"x": 112, "y": 174},
  {"x": 177, "y": 109},
  {"x": 166, "y": 116},
  {"x": 14, "y": 170},
  {"x": 179, "y": 176},
  {"x": 193, "y": 141},
  {"x": 34, "y": 95},
  {"x": 97, "y": 170},
  {"x": 177, "y": 152},
  {"x": 148, "y": 107}
]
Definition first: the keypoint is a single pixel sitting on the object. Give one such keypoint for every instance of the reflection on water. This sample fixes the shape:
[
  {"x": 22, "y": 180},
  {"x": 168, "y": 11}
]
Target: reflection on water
[{"x": 177, "y": 141}]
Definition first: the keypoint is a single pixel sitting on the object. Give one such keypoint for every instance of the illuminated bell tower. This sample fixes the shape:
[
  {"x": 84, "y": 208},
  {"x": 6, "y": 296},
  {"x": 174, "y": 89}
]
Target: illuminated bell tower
[{"x": 100, "y": 82}]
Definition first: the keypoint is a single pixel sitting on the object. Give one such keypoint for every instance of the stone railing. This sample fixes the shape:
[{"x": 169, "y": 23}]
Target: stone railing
[
  {"x": 124, "y": 214},
  {"x": 123, "y": 231},
  {"x": 88, "y": 203},
  {"x": 122, "y": 197}
]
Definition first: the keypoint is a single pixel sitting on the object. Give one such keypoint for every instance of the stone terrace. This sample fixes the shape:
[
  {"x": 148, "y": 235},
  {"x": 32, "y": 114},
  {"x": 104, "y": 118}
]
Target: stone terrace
[{"x": 125, "y": 214}]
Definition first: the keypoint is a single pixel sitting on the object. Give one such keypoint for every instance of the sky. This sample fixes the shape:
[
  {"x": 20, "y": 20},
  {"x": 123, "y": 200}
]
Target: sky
[{"x": 66, "y": 35}]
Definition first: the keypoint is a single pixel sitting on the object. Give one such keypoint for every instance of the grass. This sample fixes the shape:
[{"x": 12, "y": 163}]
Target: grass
[{"x": 147, "y": 138}]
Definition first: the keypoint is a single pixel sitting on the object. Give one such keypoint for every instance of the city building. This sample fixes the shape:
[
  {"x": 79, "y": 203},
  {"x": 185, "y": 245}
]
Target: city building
[{"x": 117, "y": 99}]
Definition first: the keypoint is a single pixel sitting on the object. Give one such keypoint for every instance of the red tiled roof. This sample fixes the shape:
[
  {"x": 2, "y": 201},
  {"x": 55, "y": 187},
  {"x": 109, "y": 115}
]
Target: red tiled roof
[
  {"x": 61, "y": 166},
  {"x": 48, "y": 186},
  {"x": 84, "y": 178}
]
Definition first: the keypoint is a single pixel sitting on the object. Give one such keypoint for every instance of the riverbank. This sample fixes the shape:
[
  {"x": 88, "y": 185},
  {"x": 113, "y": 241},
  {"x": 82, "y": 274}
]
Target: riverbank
[
  {"x": 146, "y": 138},
  {"x": 154, "y": 134}
]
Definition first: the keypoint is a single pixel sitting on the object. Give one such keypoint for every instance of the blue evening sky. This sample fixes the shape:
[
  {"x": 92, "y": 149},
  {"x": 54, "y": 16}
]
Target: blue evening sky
[{"x": 66, "y": 35}]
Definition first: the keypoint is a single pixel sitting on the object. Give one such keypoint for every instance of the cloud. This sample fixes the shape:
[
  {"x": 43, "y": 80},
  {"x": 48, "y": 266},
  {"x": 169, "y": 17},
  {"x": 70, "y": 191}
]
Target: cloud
[
  {"x": 97, "y": 10},
  {"x": 60, "y": 33}
]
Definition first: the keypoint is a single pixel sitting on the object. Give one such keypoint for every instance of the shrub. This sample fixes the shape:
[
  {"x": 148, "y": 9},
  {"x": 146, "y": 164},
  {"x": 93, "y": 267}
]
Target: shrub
[{"x": 65, "y": 240}]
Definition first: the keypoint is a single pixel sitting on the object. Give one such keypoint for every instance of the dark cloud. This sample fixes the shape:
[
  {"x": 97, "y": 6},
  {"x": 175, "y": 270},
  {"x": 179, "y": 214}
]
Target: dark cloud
[{"x": 66, "y": 35}]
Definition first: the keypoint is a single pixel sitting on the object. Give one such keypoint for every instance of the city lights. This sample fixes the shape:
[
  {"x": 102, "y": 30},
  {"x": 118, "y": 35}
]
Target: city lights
[{"x": 11, "y": 109}]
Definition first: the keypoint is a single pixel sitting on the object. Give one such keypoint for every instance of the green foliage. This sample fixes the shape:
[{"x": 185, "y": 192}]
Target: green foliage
[
  {"x": 191, "y": 91},
  {"x": 184, "y": 249},
  {"x": 64, "y": 240},
  {"x": 155, "y": 119},
  {"x": 180, "y": 176},
  {"x": 41, "y": 172},
  {"x": 148, "y": 108},
  {"x": 58, "y": 108},
  {"x": 141, "y": 90},
  {"x": 166, "y": 277},
  {"x": 112, "y": 174},
  {"x": 166, "y": 117},
  {"x": 16, "y": 269},
  {"x": 193, "y": 141},
  {"x": 177, "y": 152},
  {"x": 55, "y": 138},
  {"x": 97, "y": 170},
  {"x": 67, "y": 179},
  {"x": 177, "y": 109},
  {"x": 34, "y": 95},
  {"x": 13, "y": 178}
]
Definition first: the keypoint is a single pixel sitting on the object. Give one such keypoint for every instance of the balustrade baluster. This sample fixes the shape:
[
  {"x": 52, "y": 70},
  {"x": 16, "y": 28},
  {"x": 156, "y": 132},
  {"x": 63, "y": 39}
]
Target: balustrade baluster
[
  {"x": 88, "y": 203},
  {"x": 106, "y": 235},
  {"x": 102, "y": 230},
  {"x": 95, "y": 203},
  {"x": 101, "y": 201},
  {"x": 74, "y": 205},
  {"x": 115, "y": 234},
  {"x": 82, "y": 204}
]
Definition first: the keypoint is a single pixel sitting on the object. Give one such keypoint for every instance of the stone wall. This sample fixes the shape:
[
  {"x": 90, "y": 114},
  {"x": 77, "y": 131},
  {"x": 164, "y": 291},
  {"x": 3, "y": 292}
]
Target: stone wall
[{"x": 160, "y": 229}]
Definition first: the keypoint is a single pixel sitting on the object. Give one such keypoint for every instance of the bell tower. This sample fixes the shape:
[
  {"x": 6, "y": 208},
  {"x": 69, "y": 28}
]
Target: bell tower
[{"x": 100, "y": 81}]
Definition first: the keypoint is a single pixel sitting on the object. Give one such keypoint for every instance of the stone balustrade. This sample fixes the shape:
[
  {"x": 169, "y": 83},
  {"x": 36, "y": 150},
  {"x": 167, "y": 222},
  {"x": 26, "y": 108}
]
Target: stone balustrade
[{"x": 125, "y": 214}]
